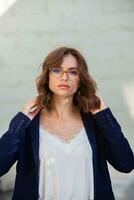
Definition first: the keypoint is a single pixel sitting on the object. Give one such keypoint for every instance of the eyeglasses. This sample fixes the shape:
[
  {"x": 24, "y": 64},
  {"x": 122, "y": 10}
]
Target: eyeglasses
[{"x": 58, "y": 72}]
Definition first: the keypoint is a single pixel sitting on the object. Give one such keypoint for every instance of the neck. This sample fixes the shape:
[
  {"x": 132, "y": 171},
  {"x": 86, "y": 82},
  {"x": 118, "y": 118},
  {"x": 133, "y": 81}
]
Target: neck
[{"x": 63, "y": 107}]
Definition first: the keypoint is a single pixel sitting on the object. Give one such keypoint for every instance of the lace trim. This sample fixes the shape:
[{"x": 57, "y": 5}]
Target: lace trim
[{"x": 61, "y": 139}]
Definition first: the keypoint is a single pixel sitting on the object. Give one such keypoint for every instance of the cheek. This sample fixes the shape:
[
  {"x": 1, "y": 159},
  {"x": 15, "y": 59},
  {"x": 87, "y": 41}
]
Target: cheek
[
  {"x": 74, "y": 85},
  {"x": 52, "y": 83}
]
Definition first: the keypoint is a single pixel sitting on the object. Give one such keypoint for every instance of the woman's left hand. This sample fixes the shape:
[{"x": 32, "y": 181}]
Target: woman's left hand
[{"x": 102, "y": 105}]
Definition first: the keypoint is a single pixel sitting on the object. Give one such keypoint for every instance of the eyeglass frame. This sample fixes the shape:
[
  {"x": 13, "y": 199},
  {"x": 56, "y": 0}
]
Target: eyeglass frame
[{"x": 65, "y": 71}]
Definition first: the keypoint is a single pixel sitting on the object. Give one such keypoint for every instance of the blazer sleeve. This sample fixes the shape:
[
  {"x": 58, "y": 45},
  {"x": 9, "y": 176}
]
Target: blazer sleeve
[
  {"x": 10, "y": 141},
  {"x": 116, "y": 147}
]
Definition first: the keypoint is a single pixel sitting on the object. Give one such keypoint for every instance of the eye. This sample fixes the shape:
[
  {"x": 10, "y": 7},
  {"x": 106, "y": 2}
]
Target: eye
[
  {"x": 73, "y": 72},
  {"x": 56, "y": 70}
]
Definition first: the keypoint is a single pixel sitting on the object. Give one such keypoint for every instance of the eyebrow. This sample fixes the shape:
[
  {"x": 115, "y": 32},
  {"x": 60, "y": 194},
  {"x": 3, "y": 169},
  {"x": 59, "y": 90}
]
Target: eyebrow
[{"x": 68, "y": 68}]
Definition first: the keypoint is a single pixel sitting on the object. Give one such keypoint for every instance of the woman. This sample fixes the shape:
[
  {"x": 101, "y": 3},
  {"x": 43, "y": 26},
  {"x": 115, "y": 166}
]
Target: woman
[{"x": 63, "y": 138}]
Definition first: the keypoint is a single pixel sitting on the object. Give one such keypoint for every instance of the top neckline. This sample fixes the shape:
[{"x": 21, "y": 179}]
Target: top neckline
[{"x": 53, "y": 135}]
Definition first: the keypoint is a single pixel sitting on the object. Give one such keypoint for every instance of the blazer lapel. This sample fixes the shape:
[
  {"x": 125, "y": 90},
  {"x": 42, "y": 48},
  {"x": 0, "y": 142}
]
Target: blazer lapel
[
  {"x": 90, "y": 130},
  {"x": 34, "y": 134},
  {"x": 89, "y": 127}
]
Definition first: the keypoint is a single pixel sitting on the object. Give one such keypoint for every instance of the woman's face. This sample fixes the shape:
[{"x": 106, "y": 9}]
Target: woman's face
[{"x": 70, "y": 79}]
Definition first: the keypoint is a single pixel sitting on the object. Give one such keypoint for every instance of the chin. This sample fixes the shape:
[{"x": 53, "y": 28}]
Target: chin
[{"x": 63, "y": 94}]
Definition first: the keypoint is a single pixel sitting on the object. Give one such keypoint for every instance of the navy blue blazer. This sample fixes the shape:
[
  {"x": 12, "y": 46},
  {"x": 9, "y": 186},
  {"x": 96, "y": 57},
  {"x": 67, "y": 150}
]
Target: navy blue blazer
[{"x": 21, "y": 143}]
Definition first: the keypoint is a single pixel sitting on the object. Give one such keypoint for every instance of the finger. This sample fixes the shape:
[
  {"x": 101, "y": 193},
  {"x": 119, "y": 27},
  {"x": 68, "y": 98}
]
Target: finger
[{"x": 33, "y": 108}]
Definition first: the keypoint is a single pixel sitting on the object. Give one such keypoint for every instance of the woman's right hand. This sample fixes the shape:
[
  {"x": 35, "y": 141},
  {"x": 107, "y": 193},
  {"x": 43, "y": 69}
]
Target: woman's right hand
[{"x": 31, "y": 108}]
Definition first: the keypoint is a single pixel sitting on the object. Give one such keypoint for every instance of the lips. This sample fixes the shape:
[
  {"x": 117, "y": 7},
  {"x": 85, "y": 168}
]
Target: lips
[{"x": 64, "y": 85}]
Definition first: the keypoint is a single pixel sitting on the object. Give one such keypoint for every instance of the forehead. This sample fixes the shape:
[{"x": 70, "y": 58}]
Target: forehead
[{"x": 69, "y": 61}]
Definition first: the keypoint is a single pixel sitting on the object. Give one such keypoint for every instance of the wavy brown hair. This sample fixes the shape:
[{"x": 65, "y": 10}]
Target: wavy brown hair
[{"x": 84, "y": 98}]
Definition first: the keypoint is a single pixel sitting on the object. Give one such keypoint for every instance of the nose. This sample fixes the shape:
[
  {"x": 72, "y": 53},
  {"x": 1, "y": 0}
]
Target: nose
[{"x": 64, "y": 76}]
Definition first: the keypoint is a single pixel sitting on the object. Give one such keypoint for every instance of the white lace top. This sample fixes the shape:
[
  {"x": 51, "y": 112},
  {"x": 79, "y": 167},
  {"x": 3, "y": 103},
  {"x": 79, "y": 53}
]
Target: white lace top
[{"x": 66, "y": 170}]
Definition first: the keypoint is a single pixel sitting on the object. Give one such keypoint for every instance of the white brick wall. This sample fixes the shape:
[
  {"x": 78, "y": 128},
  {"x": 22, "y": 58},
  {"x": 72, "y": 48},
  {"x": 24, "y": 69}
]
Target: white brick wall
[{"x": 102, "y": 30}]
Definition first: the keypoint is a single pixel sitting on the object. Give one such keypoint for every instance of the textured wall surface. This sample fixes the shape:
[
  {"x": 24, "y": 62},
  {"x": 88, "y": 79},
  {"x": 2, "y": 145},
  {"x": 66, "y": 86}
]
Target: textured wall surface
[{"x": 104, "y": 33}]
